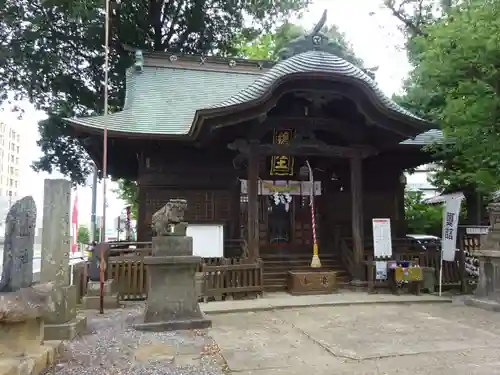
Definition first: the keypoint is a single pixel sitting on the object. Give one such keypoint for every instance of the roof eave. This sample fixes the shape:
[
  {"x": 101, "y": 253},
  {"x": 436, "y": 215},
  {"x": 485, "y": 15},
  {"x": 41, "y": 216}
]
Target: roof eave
[{"x": 420, "y": 125}]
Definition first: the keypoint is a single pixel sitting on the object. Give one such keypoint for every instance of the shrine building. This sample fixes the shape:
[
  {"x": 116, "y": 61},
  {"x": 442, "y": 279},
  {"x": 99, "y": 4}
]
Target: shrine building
[{"x": 238, "y": 138}]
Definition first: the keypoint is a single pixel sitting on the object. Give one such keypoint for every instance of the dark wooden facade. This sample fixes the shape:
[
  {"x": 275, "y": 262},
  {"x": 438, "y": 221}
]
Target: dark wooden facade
[{"x": 337, "y": 120}]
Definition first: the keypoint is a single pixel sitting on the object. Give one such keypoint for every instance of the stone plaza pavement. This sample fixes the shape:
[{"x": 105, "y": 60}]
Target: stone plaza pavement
[
  {"x": 366, "y": 339},
  {"x": 344, "y": 333}
]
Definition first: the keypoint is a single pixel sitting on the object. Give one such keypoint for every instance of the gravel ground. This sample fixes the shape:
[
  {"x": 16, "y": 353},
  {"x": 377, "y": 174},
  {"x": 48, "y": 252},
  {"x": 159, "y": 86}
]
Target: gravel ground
[{"x": 111, "y": 346}]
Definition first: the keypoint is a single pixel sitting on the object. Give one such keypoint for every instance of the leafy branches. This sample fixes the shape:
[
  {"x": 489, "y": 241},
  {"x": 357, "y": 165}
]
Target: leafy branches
[
  {"x": 51, "y": 53},
  {"x": 455, "y": 82}
]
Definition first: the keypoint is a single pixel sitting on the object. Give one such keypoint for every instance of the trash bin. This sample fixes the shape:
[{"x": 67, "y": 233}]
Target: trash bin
[
  {"x": 95, "y": 262},
  {"x": 429, "y": 276}
]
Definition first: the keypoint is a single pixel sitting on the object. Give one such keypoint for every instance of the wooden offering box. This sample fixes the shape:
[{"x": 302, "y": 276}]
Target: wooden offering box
[{"x": 311, "y": 282}]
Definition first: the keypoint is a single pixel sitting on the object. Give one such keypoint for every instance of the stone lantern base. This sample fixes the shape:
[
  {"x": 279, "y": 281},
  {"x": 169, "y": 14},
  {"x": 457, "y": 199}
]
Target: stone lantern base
[{"x": 172, "y": 302}]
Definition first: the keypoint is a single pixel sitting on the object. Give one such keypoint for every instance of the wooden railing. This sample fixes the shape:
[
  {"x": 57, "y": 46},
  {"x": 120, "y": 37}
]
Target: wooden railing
[
  {"x": 454, "y": 273},
  {"x": 347, "y": 258},
  {"x": 130, "y": 275},
  {"x": 224, "y": 278},
  {"x": 232, "y": 281}
]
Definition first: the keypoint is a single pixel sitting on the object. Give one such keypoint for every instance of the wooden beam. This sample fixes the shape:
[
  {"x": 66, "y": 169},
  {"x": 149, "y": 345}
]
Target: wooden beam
[
  {"x": 253, "y": 204},
  {"x": 304, "y": 124},
  {"x": 357, "y": 217},
  {"x": 302, "y": 147}
]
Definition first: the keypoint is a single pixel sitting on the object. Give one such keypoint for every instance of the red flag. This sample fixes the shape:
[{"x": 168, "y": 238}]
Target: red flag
[{"x": 74, "y": 225}]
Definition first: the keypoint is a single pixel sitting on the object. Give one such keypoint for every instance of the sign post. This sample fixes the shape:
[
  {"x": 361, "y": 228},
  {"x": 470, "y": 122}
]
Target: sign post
[{"x": 382, "y": 245}]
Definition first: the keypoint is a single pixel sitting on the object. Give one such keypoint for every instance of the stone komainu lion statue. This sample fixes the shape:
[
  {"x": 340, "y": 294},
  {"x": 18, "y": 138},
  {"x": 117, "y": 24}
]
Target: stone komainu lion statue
[{"x": 169, "y": 215}]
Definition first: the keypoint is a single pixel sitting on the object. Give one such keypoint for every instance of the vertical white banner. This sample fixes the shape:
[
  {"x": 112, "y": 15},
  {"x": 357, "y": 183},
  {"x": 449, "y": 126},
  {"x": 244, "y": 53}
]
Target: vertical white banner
[{"x": 450, "y": 224}]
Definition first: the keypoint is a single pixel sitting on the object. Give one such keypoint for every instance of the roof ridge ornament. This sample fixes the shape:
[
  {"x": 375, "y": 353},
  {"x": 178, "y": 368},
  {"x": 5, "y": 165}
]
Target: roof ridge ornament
[{"x": 316, "y": 40}]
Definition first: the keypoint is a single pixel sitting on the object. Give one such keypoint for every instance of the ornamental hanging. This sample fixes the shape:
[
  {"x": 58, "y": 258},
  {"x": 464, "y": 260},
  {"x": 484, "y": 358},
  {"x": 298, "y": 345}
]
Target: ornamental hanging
[{"x": 282, "y": 198}]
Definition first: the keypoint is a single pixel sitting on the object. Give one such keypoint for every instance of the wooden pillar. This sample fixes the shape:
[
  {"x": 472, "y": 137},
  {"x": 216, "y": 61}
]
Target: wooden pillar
[
  {"x": 253, "y": 205},
  {"x": 142, "y": 233},
  {"x": 357, "y": 217}
]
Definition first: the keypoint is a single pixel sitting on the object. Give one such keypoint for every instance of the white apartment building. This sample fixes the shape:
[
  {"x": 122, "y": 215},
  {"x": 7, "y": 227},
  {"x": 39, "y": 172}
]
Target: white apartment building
[
  {"x": 10, "y": 162},
  {"x": 419, "y": 180}
]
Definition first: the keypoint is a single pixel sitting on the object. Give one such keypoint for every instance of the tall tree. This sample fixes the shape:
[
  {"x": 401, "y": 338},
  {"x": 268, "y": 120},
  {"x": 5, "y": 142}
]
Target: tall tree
[
  {"x": 454, "y": 50},
  {"x": 51, "y": 53}
]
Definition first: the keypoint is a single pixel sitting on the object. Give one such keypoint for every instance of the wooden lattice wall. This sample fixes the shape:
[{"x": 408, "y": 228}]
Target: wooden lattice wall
[{"x": 204, "y": 206}]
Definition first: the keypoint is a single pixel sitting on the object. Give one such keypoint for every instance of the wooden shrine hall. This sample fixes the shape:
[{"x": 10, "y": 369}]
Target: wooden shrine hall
[{"x": 239, "y": 139}]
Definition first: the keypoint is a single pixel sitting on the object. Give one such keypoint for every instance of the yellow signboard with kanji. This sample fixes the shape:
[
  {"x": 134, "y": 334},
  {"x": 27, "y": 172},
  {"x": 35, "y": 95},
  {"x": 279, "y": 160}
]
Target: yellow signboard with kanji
[{"x": 282, "y": 165}]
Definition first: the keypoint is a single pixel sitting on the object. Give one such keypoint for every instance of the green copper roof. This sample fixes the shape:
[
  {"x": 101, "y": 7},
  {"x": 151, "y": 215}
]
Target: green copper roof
[
  {"x": 166, "y": 97},
  {"x": 164, "y": 100}
]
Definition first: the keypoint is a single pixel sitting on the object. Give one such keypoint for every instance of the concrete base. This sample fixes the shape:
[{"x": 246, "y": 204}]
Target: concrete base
[
  {"x": 109, "y": 288},
  {"x": 36, "y": 361},
  {"x": 482, "y": 304},
  {"x": 66, "y": 331},
  {"x": 94, "y": 302},
  {"x": 175, "y": 325}
]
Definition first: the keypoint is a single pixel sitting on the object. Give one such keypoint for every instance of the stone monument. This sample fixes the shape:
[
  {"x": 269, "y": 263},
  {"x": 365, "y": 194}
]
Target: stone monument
[
  {"x": 20, "y": 223},
  {"x": 487, "y": 293},
  {"x": 172, "y": 302},
  {"x": 64, "y": 323}
]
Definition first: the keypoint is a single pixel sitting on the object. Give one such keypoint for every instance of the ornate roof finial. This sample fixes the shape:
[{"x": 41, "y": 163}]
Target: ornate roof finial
[
  {"x": 320, "y": 24},
  {"x": 315, "y": 40}
]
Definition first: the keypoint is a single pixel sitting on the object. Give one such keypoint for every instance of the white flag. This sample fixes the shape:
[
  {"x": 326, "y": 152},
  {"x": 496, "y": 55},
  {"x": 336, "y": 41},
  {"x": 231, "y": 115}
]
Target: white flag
[{"x": 450, "y": 224}]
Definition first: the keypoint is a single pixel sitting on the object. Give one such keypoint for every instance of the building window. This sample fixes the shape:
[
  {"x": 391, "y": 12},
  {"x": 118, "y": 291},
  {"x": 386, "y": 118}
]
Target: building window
[
  {"x": 11, "y": 182},
  {"x": 17, "y": 149}
]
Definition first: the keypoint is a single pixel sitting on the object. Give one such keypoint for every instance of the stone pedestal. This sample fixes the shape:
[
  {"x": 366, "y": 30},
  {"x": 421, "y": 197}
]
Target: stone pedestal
[
  {"x": 23, "y": 347},
  {"x": 487, "y": 294},
  {"x": 64, "y": 323},
  {"x": 172, "y": 302},
  {"x": 92, "y": 300}
]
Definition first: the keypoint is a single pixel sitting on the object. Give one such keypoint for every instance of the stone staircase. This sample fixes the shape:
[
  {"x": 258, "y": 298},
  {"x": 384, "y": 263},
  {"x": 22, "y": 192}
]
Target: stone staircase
[{"x": 276, "y": 267}]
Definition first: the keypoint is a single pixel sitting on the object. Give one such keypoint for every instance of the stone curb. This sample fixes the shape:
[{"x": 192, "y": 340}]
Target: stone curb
[
  {"x": 271, "y": 307},
  {"x": 34, "y": 363}
]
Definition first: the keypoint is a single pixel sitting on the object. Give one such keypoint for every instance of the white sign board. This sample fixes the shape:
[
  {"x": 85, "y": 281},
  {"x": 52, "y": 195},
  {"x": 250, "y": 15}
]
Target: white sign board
[
  {"x": 477, "y": 230},
  {"x": 381, "y": 270},
  {"x": 208, "y": 240},
  {"x": 450, "y": 224},
  {"x": 382, "y": 240}
]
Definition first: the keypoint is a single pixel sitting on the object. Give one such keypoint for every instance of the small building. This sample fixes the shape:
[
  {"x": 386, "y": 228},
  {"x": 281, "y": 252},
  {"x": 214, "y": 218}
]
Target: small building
[{"x": 236, "y": 138}]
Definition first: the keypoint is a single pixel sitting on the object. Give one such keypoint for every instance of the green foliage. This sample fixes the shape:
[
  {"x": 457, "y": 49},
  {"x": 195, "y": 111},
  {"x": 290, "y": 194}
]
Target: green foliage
[
  {"x": 422, "y": 218},
  {"x": 128, "y": 191},
  {"x": 51, "y": 52},
  {"x": 97, "y": 235},
  {"x": 267, "y": 46},
  {"x": 455, "y": 82},
  {"x": 83, "y": 235}
]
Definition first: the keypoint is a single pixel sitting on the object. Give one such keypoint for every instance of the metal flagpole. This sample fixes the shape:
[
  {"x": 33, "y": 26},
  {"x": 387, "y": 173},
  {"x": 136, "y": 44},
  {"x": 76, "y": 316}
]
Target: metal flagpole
[
  {"x": 93, "y": 215},
  {"x": 104, "y": 158}
]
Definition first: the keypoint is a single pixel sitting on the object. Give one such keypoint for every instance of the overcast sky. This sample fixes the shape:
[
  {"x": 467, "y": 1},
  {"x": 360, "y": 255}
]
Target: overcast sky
[{"x": 375, "y": 38}]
